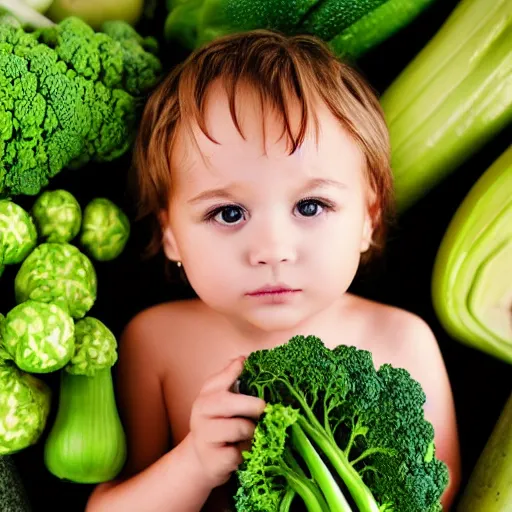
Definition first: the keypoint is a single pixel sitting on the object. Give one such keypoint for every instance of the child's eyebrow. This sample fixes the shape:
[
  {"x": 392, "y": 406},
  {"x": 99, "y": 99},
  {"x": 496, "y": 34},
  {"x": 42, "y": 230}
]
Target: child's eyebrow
[
  {"x": 215, "y": 193},
  {"x": 323, "y": 183},
  {"x": 224, "y": 192}
]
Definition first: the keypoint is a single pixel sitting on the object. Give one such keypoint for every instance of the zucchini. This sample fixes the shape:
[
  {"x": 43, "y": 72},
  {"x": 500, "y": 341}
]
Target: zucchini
[
  {"x": 489, "y": 488},
  {"x": 350, "y": 27},
  {"x": 472, "y": 275},
  {"x": 453, "y": 97}
]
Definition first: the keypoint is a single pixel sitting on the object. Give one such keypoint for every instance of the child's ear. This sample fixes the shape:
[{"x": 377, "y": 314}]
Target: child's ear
[
  {"x": 168, "y": 239},
  {"x": 366, "y": 239},
  {"x": 371, "y": 217}
]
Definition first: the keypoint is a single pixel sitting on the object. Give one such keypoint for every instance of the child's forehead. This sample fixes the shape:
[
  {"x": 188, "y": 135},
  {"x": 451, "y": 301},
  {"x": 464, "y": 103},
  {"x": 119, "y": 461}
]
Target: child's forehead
[{"x": 260, "y": 135}]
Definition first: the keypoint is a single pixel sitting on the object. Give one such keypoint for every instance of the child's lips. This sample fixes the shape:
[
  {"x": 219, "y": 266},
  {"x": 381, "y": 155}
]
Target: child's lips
[{"x": 273, "y": 291}]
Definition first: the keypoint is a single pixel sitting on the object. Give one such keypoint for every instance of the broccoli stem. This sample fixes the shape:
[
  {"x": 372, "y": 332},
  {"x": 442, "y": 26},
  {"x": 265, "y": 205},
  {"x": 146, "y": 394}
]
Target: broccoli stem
[
  {"x": 358, "y": 490},
  {"x": 319, "y": 471},
  {"x": 308, "y": 491},
  {"x": 287, "y": 500}
]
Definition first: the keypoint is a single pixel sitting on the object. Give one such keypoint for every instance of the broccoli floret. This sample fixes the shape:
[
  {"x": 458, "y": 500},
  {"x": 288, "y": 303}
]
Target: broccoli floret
[
  {"x": 68, "y": 95},
  {"x": 341, "y": 428}
]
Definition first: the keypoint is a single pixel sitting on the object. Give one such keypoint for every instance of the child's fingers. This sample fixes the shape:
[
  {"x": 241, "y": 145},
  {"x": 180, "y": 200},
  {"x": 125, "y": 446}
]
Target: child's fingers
[
  {"x": 232, "y": 430},
  {"x": 224, "y": 379},
  {"x": 228, "y": 405}
]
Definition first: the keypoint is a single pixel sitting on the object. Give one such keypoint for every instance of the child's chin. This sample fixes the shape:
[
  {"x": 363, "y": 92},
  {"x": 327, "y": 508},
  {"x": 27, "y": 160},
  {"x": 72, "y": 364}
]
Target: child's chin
[{"x": 276, "y": 319}]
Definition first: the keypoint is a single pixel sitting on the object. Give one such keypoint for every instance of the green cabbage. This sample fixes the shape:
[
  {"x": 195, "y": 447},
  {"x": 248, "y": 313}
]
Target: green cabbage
[
  {"x": 24, "y": 407},
  {"x": 57, "y": 215},
  {"x": 58, "y": 273},
  {"x": 105, "y": 230},
  {"x": 18, "y": 234},
  {"x": 37, "y": 336}
]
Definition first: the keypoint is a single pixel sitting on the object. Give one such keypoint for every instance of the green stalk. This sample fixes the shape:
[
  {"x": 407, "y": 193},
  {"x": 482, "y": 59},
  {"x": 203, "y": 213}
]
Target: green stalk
[
  {"x": 319, "y": 471},
  {"x": 86, "y": 443},
  {"x": 362, "y": 496},
  {"x": 287, "y": 500},
  {"x": 309, "y": 493},
  {"x": 376, "y": 26},
  {"x": 452, "y": 98}
]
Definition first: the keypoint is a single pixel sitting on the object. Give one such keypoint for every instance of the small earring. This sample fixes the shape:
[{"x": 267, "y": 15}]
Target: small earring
[{"x": 178, "y": 264}]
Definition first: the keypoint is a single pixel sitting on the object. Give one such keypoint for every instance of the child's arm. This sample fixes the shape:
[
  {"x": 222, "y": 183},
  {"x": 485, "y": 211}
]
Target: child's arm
[
  {"x": 163, "y": 480},
  {"x": 155, "y": 479},
  {"x": 417, "y": 345}
]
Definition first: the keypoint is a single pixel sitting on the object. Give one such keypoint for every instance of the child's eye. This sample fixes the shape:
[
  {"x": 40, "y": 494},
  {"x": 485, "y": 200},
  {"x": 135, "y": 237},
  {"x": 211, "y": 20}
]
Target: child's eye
[
  {"x": 312, "y": 207},
  {"x": 227, "y": 215}
]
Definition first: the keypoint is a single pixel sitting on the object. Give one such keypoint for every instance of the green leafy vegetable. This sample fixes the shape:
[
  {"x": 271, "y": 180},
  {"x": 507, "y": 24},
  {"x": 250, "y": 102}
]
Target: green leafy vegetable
[
  {"x": 18, "y": 234},
  {"x": 95, "y": 348},
  {"x": 68, "y": 95},
  {"x": 87, "y": 443},
  {"x": 24, "y": 408},
  {"x": 452, "y": 98},
  {"x": 337, "y": 431},
  {"x": 57, "y": 215},
  {"x": 472, "y": 275},
  {"x": 351, "y": 27},
  {"x": 37, "y": 336},
  {"x": 105, "y": 230},
  {"x": 58, "y": 273}
]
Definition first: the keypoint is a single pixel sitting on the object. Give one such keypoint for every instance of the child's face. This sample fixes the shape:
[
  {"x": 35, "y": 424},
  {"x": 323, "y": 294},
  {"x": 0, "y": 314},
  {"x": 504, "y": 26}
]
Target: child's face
[{"x": 241, "y": 220}]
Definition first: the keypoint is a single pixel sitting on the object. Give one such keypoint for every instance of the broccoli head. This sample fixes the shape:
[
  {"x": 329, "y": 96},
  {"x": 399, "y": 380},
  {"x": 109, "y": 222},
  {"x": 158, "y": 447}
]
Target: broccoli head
[
  {"x": 68, "y": 95},
  {"x": 337, "y": 430}
]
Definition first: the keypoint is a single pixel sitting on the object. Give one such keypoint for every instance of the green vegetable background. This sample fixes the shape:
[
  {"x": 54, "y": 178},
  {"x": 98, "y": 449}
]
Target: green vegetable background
[{"x": 449, "y": 112}]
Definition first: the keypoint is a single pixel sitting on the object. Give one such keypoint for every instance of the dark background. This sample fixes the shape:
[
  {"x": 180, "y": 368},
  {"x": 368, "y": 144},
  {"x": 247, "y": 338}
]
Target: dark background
[{"x": 481, "y": 383}]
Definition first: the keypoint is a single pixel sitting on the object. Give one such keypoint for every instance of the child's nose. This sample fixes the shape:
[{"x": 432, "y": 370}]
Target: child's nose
[{"x": 272, "y": 244}]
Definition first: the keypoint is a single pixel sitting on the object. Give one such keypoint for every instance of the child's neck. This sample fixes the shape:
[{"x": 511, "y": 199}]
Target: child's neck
[{"x": 248, "y": 337}]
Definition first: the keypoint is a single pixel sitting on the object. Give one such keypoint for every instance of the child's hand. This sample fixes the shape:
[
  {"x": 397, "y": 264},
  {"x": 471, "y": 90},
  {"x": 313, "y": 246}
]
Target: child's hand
[{"x": 220, "y": 424}]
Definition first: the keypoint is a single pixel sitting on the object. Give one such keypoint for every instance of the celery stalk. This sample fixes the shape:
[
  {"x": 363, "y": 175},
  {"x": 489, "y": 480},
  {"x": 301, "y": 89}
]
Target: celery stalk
[
  {"x": 452, "y": 98},
  {"x": 489, "y": 488},
  {"x": 472, "y": 275}
]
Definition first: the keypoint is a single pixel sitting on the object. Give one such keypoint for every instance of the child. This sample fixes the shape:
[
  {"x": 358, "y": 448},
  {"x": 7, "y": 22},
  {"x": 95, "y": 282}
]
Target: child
[{"x": 266, "y": 163}]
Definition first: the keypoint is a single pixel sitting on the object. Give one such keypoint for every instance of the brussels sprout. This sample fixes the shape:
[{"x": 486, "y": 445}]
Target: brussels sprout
[
  {"x": 60, "y": 274},
  {"x": 105, "y": 230},
  {"x": 24, "y": 408},
  {"x": 95, "y": 348},
  {"x": 18, "y": 234},
  {"x": 37, "y": 336},
  {"x": 57, "y": 216}
]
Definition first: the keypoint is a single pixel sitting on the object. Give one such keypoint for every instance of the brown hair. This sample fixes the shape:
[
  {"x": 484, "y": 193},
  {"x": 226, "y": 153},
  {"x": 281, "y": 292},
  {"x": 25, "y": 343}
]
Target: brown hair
[{"x": 280, "y": 68}]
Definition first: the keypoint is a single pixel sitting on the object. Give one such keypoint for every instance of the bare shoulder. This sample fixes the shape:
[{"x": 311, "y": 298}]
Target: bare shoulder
[
  {"x": 396, "y": 335},
  {"x": 160, "y": 324}
]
